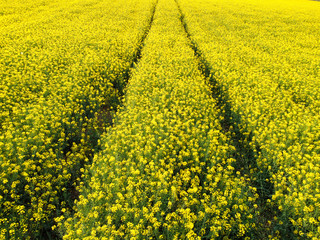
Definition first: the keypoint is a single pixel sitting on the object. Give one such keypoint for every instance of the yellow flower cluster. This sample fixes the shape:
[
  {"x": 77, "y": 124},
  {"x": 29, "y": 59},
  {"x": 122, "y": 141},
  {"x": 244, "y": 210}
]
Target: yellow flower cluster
[
  {"x": 165, "y": 170},
  {"x": 63, "y": 65},
  {"x": 265, "y": 56}
]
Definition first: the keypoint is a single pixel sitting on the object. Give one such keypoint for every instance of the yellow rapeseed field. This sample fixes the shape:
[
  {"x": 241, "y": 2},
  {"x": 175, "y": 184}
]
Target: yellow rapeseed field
[{"x": 159, "y": 119}]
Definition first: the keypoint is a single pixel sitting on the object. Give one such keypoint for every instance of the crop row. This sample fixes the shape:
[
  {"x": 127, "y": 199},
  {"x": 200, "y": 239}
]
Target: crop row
[
  {"x": 63, "y": 67},
  {"x": 165, "y": 170},
  {"x": 264, "y": 56}
]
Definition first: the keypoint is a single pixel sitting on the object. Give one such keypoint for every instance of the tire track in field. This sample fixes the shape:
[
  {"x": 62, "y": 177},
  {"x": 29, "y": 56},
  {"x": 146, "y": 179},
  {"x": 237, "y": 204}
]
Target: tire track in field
[
  {"x": 245, "y": 154},
  {"x": 104, "y": 117},
  {"x": 106, "y": 113},
  {"x": 128, "y": 73}
]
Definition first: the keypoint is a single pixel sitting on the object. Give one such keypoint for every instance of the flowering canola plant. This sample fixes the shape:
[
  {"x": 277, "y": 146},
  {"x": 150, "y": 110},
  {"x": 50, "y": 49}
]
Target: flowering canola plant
[
  {"x": 265, "y": 56},
  {"x": 61, "y": 63}
]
